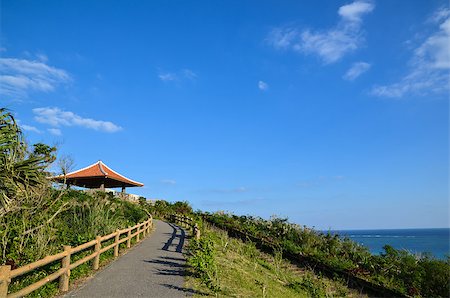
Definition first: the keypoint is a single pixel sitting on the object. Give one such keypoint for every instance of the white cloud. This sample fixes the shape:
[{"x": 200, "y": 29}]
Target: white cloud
[
  {"x": 282, "y": 38},
  {"x": 177, "y": 76},
  {"x": 189, "y": 74},
  {"x": 55, "y": 131},
  {"x": 354, "y": 11},
  {"x": 30, "y": 128},
  {"x": 263, "y": 86},
  {"x": 166, "y": 77},
  {"x": 440, "y": 14},
  {"x": 18, "y": 77},
  {"x": 168, "y": 181},
  {"x": 428, "y": 66},
  {"x": 56, "y": 118},
  {"x": 42, "y": 57},
  {"x": 329, "y": 45},
  {"x": 356, "y": 70}
]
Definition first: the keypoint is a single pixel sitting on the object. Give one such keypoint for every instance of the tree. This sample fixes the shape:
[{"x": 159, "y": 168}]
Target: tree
[
  {"x": 20, "y": 170},
  {"x": 45, "y": 151},
  {"x": 142, "y": 200},
  {"x": 66, "y": 164}
]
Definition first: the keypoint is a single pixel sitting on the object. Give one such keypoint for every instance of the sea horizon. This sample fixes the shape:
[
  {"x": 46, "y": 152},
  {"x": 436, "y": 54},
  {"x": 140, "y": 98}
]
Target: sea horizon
[
  {"x": 435, "y": 241},
  {"x": 384, "y": 229}
]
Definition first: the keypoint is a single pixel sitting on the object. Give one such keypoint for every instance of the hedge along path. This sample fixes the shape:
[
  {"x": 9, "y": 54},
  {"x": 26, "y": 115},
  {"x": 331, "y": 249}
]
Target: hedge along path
[{"x": 6, "y": 274}]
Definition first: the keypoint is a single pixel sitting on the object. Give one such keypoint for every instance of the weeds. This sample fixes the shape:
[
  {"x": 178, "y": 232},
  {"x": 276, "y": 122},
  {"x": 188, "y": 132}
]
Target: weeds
[{"x": 202, "y": 261}]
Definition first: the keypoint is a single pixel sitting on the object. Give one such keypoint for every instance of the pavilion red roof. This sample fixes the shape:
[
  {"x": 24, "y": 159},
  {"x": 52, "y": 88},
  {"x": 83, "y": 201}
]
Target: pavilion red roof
[{"x": 96, "y": 174}]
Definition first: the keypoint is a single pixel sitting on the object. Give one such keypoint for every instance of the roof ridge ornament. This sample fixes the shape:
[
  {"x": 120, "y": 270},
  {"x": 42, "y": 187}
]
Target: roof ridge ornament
[{"x": 101, "y": 168}]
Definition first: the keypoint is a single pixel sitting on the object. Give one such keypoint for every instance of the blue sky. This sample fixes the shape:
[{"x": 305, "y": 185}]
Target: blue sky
[{"x": 332, "y": 113}]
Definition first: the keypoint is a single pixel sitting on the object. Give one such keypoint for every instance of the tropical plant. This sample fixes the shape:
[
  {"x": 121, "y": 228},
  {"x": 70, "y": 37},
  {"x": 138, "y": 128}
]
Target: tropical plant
[{"x": 20, "y": 171}]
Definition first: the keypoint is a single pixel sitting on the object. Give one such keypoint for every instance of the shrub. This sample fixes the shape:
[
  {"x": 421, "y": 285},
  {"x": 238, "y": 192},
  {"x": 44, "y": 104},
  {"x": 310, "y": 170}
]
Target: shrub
[{"x": 202, "y": 261}]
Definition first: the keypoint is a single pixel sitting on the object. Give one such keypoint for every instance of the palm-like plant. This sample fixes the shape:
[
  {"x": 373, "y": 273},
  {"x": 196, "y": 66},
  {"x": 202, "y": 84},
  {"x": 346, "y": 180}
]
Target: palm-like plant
[{"x": 19, "y": 170}]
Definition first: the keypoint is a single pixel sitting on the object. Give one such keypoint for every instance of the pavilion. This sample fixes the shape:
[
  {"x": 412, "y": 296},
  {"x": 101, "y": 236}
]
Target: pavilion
[{"x": 98, "y": 176}]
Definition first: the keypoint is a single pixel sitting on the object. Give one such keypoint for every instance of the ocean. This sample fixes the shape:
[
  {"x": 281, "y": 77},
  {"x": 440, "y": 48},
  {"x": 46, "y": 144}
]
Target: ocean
[{"x": 434, "y": 241}]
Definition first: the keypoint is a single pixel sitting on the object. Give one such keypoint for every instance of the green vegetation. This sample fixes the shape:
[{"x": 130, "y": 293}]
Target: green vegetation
[
  {"x": 224, "y": 266},
  {"x": 162, "y": 209},
  {"x": 395, "y": 269},
  {"x": 37, "y": 219}
]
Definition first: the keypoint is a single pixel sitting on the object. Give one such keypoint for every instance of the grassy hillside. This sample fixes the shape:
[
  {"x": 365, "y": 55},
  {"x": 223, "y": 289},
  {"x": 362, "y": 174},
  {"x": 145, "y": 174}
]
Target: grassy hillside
[
  {"x": 397, "y": 271},
  {"x": 228, "y": 267}
]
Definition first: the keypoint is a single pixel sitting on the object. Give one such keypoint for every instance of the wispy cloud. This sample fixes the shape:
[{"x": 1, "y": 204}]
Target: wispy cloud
[
  {"x": 440, "y": 14},
  {"x": 30, "y": 128},
  {"x": 42, "y": 57},
  {"x": 189, "y": 74},
  {"x": 184, "y": 74},
  {"x": 56, "y": 118},
  {"x": 19, "y": 77},
  {"x": 263, "y": 86},
  {"x": 168, "y": 181},
  {"x": 167, "y": 77},
  {"x": 55, "y": 131},
  {"x": 329, "y": 45},
  {"x": 428, "y": 66},
  {"x": 356, "y": 70}
]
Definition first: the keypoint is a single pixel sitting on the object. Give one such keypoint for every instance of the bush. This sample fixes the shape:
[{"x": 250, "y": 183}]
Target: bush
[{"x": 202, "y": 261}]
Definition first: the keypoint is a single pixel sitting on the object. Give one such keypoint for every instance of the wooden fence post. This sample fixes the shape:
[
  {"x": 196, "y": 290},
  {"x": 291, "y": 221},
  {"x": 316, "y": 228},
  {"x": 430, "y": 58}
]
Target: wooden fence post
[
  {"x": 138, "y": 234},
  {"x": 197, "y": 232},
  {"x": 116, "y": 241},
  {"x": 4, "y": 279},
  {"x": 129, "y": 237},
  {"x": 65, "y": 263},
  {"x": 97, "y": 248},
  {"x": 144, "y": 232}
]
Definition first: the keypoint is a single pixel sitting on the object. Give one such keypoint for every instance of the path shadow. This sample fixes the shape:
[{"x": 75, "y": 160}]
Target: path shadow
[
  {"x": 174, "y": 235},
  {"x": 164, "y": 262},
  {"x": 171, "y": 272},
  {"x": 181, "y": 242},
  {"x": 185, "y": 290},
  {"x": 169, "y": 242},
  {"x": 174, "y": 259}
]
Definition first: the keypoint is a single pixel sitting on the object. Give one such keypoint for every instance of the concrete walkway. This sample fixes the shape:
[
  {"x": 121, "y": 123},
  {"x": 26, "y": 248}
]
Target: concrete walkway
[{"x": 154, "y": 268}]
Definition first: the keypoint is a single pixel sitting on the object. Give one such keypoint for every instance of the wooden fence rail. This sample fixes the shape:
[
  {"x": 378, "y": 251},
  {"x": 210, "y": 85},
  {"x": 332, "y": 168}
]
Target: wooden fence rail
[
  {"x": 187, "y": 222},
  {"x": 6, "y": 274}
]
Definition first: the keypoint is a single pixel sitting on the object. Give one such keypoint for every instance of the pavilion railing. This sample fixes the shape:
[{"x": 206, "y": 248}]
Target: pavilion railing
[{"x": 6, "y": 274}]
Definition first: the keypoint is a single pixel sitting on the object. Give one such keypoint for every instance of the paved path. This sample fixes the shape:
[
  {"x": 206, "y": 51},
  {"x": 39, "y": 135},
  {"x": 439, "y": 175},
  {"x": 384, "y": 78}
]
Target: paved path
[{"x": 154, "y": 268}]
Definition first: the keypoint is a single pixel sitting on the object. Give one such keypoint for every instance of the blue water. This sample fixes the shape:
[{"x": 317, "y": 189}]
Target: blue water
[{"x": 434, "y": 241}]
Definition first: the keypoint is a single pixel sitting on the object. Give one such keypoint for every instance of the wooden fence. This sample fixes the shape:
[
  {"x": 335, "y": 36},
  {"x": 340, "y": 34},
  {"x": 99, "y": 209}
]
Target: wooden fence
[
  {"x": 6, "y": 274},
  {"x": 187, "y": 222}
]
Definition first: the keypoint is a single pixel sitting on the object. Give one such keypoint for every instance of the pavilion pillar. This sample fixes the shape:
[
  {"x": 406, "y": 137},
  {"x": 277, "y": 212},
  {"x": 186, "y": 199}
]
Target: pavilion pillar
[
  {"x": 102, "y": 186},
  {"x": 123, "y": 189}
]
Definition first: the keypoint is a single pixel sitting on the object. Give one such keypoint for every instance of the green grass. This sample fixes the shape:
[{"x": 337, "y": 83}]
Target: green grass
[{"x": 241, "y": 270}]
